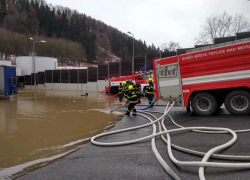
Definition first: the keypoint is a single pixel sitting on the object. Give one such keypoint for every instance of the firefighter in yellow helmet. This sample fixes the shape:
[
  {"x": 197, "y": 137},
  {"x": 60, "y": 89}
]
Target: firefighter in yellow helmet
[
  {"x": 132, "y": 97},
  {"x": 124, "y": 89},
  {"x": 150, "y": 91},
  {"x": 126, "y": 85}
]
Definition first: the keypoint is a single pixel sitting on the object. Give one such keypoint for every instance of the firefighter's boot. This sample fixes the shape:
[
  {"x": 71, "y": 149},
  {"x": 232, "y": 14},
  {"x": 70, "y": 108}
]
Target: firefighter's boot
[
  {"x": 134, "y": 112},
  {"x": 127, "y": 113}
]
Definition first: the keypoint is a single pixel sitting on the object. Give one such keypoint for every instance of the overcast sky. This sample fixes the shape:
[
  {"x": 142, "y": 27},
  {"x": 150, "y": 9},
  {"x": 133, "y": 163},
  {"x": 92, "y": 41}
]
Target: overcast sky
[{"x": 157, "y": 21}]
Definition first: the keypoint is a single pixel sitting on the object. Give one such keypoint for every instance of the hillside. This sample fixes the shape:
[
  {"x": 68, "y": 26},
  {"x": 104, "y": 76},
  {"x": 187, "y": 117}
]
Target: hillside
[{"x": 95, "y": 40}]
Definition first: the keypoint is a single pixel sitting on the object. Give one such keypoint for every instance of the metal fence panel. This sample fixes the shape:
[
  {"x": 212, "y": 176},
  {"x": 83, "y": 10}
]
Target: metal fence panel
[
  {"x": 126, "y": 68},
  {"x": 102, "y": 72},
  {"x": 73, "y": 74},
  {"x": 92, "y": 74},
  {"x": 64, "y": 76},
  {"x": 48, "y": 76},
  {"x": 41, "y": 78},
  {"x": 27, "y": 79},
  {"x": 149, "y": 62},
  {"x": 139, "y": 64},
  {"x": 83, "y": 76},
  {"x": 56, "y": 76},
  {"x": 114, "y": 69}
]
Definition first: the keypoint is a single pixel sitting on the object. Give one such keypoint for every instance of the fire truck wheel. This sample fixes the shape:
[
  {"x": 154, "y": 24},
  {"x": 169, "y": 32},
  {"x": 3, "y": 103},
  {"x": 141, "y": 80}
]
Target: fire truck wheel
[
  {"x": 204, "y": 104},
  {"x": 114, "y": 91},
  {"x": 238, "y": 102}
]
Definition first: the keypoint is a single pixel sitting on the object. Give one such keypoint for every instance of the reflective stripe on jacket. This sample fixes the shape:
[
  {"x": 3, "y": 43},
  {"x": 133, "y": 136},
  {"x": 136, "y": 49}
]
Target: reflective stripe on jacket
[
  {"x": 150, "y": 89},
  {"x": 132, "y": 97},
  {"x": 126, "y": 89},
  {"x": 120, "y": 89},
  {"x": 138, "y": 89}
]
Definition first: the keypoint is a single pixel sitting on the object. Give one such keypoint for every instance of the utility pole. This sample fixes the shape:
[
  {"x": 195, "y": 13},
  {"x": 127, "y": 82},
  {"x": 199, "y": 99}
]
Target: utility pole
[
  {"x": 133, "y": 59},
  {"x": 33, "y": 59}
]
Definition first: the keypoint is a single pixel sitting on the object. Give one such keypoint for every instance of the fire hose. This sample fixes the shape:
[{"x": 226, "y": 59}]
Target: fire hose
[
  {"x": 102, "y": 91},
  {"x": 201, "y": 164},
  {"x": 114, "y": 96}
]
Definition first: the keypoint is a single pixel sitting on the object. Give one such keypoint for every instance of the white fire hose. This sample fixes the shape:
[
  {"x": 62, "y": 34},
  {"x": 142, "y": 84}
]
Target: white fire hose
[{"x": 201, "y": 164}]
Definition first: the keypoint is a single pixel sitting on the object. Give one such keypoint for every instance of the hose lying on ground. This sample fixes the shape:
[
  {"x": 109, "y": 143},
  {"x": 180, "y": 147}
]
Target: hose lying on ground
[
  {"x": 198, "y": 153},
  {"x": 201, "y": 164},
  {"x": 140, "y": 109},
  {"x": 114, "y": 96},
  {"x": 102, "y": 91}
]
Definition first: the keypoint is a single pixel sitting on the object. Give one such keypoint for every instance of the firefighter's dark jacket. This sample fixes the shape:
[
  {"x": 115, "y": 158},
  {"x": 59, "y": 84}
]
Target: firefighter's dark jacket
[
  {"x": 138, "y": 88},
  {"x": 151, "y": 88},
  {"x": 132, "y": 97},
  {"x": 120, "y": 89}
]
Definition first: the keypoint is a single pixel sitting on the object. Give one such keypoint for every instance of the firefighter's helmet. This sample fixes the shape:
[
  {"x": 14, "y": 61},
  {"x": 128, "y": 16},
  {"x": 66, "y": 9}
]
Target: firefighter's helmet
[
  {"x": 130, "y": 87},
  {"x": 124, "y": 82},
  {"x": 150, "y": 80}
]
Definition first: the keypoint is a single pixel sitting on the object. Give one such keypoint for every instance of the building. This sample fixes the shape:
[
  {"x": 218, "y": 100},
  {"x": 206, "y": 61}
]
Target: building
[{"x": 41, "y": 64}]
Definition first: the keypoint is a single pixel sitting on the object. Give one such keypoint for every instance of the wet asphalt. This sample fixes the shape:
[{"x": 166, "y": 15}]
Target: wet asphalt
[{"x": 137, "y": 161}]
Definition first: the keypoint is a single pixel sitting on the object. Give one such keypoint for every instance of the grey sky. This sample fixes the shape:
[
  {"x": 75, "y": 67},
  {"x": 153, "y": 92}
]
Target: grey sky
[{"x": 157, "y": 21}]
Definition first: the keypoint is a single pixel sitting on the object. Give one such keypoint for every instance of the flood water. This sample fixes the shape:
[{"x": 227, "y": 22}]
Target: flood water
[{"x": 50, "y": 123}]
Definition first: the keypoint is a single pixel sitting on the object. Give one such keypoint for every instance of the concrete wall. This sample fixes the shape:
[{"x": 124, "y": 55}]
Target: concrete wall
[
  {"x": 60, "y": 87},
  {"x": 89, "y": 87},
  {"x": 42, "y": 64},
  {"x": 40, "y": 86},
  {"x": 92, "y": 87},
  {"x": 48, "y": 86},
  {"x": 101, "y": 85},
  {"x": 30, "y": 87}
]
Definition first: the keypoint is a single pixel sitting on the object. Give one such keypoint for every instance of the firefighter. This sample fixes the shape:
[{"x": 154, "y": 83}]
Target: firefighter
[
  {"x": 138, "y": 91},
  {"x": 120, "y": 92},
  {"x": 132, "y": 97},
  {"x": 123, "y": 85},
  {"x": 126, "y": 90},
  {"x": 131, "y": 83},
  {"x": 150, "y": 91}
]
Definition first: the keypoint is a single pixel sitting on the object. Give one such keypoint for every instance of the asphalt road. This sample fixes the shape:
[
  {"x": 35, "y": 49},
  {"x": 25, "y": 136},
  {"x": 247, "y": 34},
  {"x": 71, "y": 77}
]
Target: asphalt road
[{"x": 137, "y": 161}]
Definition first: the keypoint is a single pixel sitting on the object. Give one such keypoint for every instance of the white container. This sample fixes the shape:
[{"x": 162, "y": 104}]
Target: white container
[
  {"x": 41, "y": 64},
  {"x": 6, "y": 63}
]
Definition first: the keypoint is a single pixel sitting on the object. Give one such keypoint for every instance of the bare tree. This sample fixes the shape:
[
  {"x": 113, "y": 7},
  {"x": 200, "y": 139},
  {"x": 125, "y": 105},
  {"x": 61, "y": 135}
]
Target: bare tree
[
  {"x": 222, "y": 25},
  {"x": 171, "y": 46}
]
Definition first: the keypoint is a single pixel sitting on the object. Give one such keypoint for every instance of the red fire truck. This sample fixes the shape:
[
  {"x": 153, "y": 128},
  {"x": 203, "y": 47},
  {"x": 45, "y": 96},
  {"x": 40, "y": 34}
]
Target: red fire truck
[
  {"x": 207, "y": 77},
  {"x": 112, "y": 84}
]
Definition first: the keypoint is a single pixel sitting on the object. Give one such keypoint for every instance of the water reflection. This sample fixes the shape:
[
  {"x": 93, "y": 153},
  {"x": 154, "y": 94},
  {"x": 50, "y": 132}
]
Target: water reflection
[{"x": 49, "y": 123}]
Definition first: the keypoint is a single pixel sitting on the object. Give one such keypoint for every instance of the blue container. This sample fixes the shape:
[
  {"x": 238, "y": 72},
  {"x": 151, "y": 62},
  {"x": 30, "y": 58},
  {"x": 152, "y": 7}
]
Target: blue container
[{"x": 8, "y": 80}]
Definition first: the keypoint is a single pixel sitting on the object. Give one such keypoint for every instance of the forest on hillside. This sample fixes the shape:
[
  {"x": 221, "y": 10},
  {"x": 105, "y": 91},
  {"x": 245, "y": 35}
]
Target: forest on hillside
[{"x": 95, "y": 40}]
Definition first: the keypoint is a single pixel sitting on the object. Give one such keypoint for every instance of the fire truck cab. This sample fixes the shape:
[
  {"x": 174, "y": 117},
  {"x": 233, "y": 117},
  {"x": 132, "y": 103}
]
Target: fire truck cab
[{"x": 207, "y": 77}]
